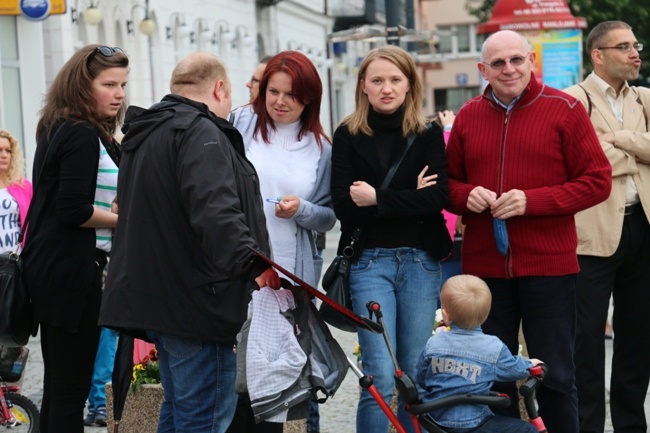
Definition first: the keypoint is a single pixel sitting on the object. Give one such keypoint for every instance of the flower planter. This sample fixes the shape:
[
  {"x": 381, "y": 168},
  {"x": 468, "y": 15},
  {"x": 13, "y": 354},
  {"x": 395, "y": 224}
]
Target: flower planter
[
  {"x": 299, "y": 426},
  {"x": 141, "y": 410}
]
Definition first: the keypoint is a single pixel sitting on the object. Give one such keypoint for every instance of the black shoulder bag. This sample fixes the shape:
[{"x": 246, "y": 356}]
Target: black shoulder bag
[{"x": 336, "y": 280}]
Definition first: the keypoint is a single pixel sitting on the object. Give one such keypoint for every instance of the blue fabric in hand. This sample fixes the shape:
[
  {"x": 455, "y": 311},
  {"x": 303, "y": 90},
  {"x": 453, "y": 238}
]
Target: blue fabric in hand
[{"x": 501, "y": 235}]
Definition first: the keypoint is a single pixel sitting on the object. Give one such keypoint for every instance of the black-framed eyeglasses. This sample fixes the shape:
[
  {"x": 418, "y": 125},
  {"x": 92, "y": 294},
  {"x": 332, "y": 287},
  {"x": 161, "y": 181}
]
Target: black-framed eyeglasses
[
  {"x": 501, "y": 63},
  {"x": 104, "y": 51},
  {"x": 625, "y": 48}
]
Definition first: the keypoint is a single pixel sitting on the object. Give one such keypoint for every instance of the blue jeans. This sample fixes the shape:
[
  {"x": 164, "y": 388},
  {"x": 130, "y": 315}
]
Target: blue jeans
[
  {"x": 546, "y": 309},
  {"x": 313, "y": 418},
  {"x": 406, "y": 284},
  {"x": 103, "y": 369},
  {"x": 199, "y": 383},
  {"x": 450, "y": 268},
  {"x": 499, "y": 424}
]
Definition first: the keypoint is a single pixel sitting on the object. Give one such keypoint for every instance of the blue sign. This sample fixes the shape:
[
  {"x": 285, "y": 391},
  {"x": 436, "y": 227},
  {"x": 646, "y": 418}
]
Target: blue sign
[
  {"x": 35, "y": 10},
  {"x": 462, "y": 79}
]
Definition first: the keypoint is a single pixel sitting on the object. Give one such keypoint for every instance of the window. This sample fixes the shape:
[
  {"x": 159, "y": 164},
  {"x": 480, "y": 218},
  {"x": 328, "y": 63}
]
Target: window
[
  {"x": 458, "y": 39},
  {"x": 464, "y": 37},
  {"x": 444, "y": 39},
  {"x": 453, "y": 98},
  {"x": 10, "y": 96}
]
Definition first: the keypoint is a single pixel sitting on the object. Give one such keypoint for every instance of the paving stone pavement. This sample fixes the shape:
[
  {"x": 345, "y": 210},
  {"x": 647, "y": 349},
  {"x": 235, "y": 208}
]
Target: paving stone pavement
[{"x": 337, "y": 415}]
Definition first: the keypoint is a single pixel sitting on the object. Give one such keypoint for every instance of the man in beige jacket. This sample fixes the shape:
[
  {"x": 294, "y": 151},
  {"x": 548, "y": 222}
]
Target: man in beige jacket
[{"x": 614, "y": 238}]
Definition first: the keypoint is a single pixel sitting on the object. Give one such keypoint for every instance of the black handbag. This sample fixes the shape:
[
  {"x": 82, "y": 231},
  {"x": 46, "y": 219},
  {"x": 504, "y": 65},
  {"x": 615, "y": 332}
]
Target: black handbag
[
  {"x": 458, "y": 245},
  {"x": 336, "y": 280},
  {"x": 16, "y": 309},
  {"x": 16, "y": 312}
]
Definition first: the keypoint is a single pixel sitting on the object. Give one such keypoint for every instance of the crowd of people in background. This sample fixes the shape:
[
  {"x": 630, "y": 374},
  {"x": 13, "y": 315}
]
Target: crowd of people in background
[{"x": 544, "y": 188}]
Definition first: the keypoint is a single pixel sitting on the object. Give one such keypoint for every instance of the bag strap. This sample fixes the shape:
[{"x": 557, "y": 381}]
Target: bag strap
[
  {"x": 348, "y": 251},
  {"x": 589, "y": 104},
  {"x": 36, "y": 181},
  {"x": 640, "y": 102},
  {"x": 393, "y": 169},
  {"x": 356, "y": 232}
]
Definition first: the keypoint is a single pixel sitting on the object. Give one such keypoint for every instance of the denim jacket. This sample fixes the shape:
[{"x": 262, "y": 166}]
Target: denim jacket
[{"x": 465, "y": 361}]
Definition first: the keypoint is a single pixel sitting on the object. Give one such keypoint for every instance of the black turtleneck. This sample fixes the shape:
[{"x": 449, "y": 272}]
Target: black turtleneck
[
  {"x": 389, "y": 142},
  {"x": 387, "y": 130}
]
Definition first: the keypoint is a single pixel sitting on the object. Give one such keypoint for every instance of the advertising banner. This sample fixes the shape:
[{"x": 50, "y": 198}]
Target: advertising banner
[{"x": 559, "y": 56}]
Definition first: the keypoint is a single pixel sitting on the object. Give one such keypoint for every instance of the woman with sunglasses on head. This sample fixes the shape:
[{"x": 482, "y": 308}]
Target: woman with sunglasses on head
[{"x": 70, "y": 223}]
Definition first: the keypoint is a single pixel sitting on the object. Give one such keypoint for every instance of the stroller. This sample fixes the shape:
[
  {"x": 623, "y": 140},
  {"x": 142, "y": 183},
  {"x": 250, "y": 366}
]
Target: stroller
[
  {"x": 406, "y": 387},
  {"x": 419, "y": 411}
]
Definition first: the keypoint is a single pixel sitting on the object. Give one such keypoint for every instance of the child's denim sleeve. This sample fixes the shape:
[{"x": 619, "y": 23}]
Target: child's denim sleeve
[{"x": 510, "y": 367}]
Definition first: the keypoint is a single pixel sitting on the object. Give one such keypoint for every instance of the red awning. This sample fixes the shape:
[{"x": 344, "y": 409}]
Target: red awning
[{"x": 522, "y": 15}]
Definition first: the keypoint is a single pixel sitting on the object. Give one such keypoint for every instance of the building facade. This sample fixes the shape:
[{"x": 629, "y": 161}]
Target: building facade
[
  {"x": 155, "y": 34},
  {"x": 450, "y": 72},
  {"x": 440, "y": 34}
]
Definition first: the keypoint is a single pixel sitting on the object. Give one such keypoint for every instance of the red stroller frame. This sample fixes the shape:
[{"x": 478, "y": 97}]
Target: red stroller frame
[
  {"x": 405, "y": 386},
  {"x": 418, "y": 411}
]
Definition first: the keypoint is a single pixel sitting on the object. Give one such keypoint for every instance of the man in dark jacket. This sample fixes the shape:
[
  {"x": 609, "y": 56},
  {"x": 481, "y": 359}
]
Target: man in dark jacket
[{"x": 181, "y": 267}]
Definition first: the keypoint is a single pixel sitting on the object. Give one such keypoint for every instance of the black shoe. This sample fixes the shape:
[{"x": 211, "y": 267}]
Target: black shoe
[
  {"x": 100, "y": 416},
  {"x": 90, "y": 418}
]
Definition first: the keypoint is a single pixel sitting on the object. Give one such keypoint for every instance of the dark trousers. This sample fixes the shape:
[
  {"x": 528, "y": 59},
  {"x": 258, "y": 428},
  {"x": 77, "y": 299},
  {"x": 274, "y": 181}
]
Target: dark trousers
[
  {"x": 625, "y": 276},
  {"x": 545, "y": 307},
  {"x": 68, "y": 361},
  {"x": 244, "y": 420}
]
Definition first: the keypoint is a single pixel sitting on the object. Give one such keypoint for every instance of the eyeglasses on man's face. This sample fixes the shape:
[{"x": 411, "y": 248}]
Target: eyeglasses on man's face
[
  {"x": 104, "y": 51},
  {"x": 624, "y": 48},
  {"x": 254, "y": 80},
  {"x": 499, "y": 64}
]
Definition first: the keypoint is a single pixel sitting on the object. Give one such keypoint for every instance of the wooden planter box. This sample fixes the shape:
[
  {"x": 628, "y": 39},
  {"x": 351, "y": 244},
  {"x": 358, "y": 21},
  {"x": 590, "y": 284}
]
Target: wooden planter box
[
  {"x": 299, "y": 426},
  {"x": 141, "y": 410}
]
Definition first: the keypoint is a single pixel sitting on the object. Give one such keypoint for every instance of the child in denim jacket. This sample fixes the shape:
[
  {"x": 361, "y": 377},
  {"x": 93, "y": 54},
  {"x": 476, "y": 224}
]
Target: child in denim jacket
[{"x": 463, "y": 360}]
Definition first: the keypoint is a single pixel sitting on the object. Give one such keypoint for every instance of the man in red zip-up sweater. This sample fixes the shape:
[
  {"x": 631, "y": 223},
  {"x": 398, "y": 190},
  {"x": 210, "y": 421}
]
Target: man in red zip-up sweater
[{"x": 527, "y": 154}]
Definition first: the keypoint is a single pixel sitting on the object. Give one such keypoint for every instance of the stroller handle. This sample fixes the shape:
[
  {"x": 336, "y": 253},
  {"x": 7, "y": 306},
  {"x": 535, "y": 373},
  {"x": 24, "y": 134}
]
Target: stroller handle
[
  {"x": 374, "y": 308},
  {"x": 527, "y": 391}
]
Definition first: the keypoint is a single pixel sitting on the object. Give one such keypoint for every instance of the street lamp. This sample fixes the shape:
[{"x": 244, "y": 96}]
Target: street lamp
[
  {"x": 177, "y": 26},
  {"x": 92, "y": 15},
  {"x": 147, "y": 26}
]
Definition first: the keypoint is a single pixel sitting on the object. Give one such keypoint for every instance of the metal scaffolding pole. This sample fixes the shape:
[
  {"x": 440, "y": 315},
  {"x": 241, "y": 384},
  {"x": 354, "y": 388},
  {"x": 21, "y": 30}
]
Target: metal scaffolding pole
[{"x": 392, "y": 22}]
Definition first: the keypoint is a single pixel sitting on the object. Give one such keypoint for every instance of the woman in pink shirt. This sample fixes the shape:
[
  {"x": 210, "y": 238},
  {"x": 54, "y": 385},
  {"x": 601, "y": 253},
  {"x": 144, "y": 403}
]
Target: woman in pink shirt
[
  {"x": 15, "y": 191},
  {"x": 450, "y": 266}
]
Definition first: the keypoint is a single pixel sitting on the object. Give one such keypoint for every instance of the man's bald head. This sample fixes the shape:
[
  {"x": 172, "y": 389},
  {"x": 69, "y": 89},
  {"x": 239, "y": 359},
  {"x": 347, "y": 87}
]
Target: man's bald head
[
  {"x": 503, "y": 36},
  {"x": 203, "y": 77},
  {"x": 197, "y": 73}
]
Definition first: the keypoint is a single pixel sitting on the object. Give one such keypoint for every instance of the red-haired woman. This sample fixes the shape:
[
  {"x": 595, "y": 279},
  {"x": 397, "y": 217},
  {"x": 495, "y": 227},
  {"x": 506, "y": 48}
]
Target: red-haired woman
[{"x": 286, "y": 143}]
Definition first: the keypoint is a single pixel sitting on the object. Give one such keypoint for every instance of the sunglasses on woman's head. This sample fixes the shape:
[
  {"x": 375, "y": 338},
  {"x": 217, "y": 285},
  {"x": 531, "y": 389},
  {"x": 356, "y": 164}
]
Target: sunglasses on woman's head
[{"x": 104, "y": 51}]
